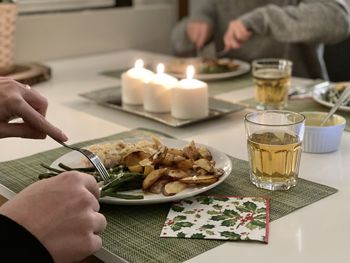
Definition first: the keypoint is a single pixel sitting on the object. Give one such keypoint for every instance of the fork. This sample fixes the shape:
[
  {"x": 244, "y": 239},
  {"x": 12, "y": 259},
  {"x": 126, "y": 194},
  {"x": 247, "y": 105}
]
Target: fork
[{"x": 93, "y": 158}]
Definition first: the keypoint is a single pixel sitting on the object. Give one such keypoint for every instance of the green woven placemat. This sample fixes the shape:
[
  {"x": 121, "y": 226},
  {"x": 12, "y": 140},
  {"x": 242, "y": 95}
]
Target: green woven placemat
[
  {"x": 215, "y": 87},
  {"x": 133, "y": 231},
  {"x": 303, "y": 105}
]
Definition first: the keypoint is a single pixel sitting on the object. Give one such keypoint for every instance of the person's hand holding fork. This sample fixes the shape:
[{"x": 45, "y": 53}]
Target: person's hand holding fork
[{"x": 60, "y": 213}]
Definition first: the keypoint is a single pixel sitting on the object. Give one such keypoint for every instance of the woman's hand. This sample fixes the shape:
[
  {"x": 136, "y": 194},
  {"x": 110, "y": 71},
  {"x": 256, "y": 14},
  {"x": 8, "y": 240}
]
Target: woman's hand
[
  {"x": 62, "y": 213},
  {"x": 20, "y": 101},
  {"x": 236, "y": 34},
  {"x": 199, "y": 33}
]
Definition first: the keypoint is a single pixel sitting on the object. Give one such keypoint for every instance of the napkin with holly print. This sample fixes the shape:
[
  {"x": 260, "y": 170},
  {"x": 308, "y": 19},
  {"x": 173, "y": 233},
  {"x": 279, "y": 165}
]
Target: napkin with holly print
[{"x": 218, "y": 217}]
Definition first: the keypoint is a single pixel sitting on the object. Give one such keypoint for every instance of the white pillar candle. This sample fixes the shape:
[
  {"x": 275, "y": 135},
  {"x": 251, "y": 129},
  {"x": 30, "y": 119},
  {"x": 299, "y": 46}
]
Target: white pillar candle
[
  {"x": 133, "y": 83},
  {"x": 189, "y": 98},
  {"x": 157, "y": 97}
]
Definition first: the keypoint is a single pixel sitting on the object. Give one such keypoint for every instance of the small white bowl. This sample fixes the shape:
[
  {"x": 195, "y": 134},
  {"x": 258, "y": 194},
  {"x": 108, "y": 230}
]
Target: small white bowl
[{"x": 322, "y": 139}]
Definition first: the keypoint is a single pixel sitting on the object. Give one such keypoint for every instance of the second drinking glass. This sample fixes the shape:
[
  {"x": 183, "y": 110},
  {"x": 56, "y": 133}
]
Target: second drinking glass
[{"x": 272, "y": 82}]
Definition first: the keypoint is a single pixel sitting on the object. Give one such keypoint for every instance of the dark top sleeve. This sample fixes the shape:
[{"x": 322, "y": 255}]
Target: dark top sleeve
[{"x": 18, "y": 245}]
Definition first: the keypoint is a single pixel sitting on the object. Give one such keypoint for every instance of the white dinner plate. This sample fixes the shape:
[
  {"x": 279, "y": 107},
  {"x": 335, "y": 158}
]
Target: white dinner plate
[
  {"x": 243, "y": 68},
  {"x": 73, "y": 159},
  {"x": 318, "y": 96}
]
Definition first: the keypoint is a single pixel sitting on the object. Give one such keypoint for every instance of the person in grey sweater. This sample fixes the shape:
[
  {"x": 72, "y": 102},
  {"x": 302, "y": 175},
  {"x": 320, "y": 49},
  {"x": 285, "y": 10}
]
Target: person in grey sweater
[{"x": 293, "y": 29}]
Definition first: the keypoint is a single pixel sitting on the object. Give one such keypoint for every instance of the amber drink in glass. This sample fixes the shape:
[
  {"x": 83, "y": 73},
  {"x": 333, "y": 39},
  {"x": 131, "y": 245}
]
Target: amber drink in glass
[
  {"x": 272, "y": 82},
  {"x": 274, "y": 139}
]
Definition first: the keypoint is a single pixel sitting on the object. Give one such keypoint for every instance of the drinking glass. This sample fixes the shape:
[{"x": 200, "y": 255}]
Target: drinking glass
[
  {"x": 272, "y": 81},
  {"x": 274, "y": 140}
]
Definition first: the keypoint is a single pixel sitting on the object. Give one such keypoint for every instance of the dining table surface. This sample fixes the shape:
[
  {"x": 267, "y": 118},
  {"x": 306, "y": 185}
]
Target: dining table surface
[{"x": 318, "y": 232}]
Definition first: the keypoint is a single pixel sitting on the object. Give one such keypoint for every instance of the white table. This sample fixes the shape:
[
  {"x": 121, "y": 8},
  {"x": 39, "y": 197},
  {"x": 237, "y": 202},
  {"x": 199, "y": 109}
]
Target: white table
[{"x": 316, "y": 233}]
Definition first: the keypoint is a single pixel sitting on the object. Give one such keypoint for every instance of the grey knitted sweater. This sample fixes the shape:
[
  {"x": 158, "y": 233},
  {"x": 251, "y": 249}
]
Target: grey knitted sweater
[{"x": 292, "y": 29}]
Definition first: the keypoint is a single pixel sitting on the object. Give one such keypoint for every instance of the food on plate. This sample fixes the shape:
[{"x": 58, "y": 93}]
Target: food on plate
[
  {"x": 203, "y": 66},
  {"x": 150, "y": 167},
  {"x": 334, "y": 92}
]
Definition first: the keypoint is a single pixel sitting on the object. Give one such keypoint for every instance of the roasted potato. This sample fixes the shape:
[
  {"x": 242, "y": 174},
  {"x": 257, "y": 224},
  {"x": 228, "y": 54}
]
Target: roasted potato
[
  {"x": 199, "y": 179},
  {"x": 173, "y": 188},
  {"x": 152, "y": 177},
  {"x": 157, "y": 187}
]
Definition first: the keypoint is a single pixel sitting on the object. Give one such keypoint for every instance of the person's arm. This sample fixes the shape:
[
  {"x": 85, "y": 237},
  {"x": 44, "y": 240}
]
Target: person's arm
[
  {"x": 19, "y": 245},
  {"x": 325, "y": 21},
  {"x": 201, "y": 11}
]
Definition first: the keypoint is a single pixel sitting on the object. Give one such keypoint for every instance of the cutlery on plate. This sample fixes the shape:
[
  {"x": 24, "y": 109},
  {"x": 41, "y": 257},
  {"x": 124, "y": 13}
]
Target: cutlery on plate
[
  {"x": 93, "y": 158},
  {"x": 344, "y": 97},
  {"x": 304, "y": 90}
]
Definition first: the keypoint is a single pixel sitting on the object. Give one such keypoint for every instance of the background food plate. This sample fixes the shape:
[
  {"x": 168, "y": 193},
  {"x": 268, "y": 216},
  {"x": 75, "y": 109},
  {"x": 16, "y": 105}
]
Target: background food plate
[
  {"x": 243, "y": 68},
  {"x": 318, "y": 96},
  {"x": 74, "y": 159}
]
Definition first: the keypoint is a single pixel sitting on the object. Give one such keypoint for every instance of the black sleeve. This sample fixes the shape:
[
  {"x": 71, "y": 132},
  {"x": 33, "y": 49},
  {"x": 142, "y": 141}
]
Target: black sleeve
[{"x": 18, "y": 245}]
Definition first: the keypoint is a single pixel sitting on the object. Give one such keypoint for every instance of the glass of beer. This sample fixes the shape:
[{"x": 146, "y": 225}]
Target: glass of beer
[
  {"x": 274, "y": 140},
  {"x": 272, "y": 81}
]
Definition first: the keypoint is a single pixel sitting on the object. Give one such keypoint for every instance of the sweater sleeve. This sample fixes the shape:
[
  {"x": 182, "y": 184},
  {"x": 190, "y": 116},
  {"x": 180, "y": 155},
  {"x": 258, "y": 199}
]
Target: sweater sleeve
[
  {"x": 201, "y": 10},
  {"x": 311, "y": 21},
  {"x": 18, "y": 245}
]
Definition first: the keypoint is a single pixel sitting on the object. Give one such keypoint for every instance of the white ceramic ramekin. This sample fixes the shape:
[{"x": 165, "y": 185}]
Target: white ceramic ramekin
[{"x": 322, "y": 139}]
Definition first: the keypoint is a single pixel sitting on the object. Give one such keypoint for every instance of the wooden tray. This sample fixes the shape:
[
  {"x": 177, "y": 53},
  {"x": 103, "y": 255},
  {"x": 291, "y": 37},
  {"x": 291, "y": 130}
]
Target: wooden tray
[{"x": 31, "y": 73}]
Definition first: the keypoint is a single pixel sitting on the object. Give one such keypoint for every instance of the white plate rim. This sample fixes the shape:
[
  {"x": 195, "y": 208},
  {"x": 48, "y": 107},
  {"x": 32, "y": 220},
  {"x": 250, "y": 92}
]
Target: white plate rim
[
  {"x": 243, "y": 68},
  {"x": 223, "y": 161},
  {"x": 317, "y": 96}
]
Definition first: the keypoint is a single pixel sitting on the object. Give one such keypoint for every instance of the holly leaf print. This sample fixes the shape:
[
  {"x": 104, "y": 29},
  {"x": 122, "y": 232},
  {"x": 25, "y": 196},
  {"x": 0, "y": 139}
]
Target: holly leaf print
[
  {"x": 178, "y": 225},
  {"x": 250, "y": 205},
  {"x": 261, "y": 210},
  {"x": 224, "y": 199},
  {"x": 179, "y": 218},
  {"x": 208, "y": 226},
  {"x": 247, "y": 207},
  {"x": 255, "y": 224},
  {"x": 229, "y": 222},
  {"x": 218, "y": 207},
  {"x": 231, "y": 213},
  {"x": 198, "y": 235},
  {"x": 219, "y": 218},
  {"x": 177, "y": 208},
  {"x": 260, "y": 216},
  {"x": 213, "y": 212},
  {"x": 181, "y": 234},
  {"x": 205, "y": 200},
  {"x": 230, "y": 235}
]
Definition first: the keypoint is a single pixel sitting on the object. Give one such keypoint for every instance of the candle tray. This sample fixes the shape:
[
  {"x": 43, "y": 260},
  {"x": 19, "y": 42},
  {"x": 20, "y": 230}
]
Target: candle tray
[{"x": 111, "y": 97}]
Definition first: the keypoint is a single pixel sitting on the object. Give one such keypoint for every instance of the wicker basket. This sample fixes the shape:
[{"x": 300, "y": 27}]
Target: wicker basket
[{"x": 8, "y": 15}]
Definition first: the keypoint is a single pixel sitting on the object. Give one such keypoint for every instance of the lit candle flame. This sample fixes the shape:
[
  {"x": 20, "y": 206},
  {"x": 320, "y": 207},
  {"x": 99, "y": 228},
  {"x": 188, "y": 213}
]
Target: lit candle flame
[
  {"x": 160, "y": 68},
  {"x": 139, "y": 64},
  {"x": 190, "y": 72}
]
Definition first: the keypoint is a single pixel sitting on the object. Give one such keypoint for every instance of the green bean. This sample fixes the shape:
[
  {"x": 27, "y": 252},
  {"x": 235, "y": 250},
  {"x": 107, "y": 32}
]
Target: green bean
[
  {"x": 123, "y": 196},
  {"x": 126, "y": 179},
  {"x": 80, "y": 169}
]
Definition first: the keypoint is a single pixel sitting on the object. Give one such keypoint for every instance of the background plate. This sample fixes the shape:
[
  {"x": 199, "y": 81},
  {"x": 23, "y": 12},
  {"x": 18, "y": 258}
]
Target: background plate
[
  {"x": 73, "y": 159},
  {"x": 243, "y": 68},
  {"x": 318, "y": 96}
]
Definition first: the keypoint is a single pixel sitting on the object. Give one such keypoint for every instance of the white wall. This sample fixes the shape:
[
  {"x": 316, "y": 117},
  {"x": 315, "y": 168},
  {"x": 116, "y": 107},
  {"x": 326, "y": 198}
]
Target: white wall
[{"x": 61, "y": 35}]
